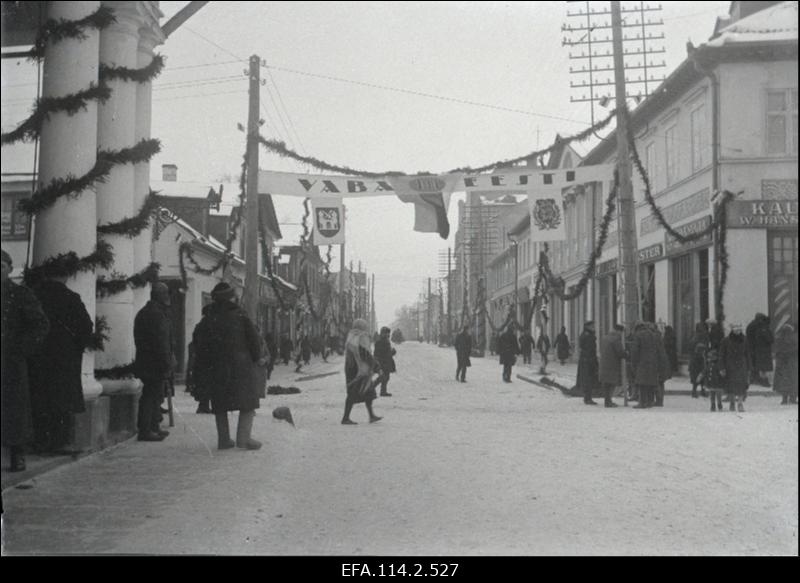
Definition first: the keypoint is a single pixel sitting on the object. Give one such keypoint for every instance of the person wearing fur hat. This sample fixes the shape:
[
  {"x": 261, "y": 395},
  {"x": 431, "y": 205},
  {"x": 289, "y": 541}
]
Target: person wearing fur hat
[
  {"x": 24, "y": 328},
  {"x": 735, "y": 365},
  {"x": 230, "y": 348}
]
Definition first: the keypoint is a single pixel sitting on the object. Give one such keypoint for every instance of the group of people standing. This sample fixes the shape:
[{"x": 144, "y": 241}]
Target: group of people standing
[{"x": 45, "y": 331}]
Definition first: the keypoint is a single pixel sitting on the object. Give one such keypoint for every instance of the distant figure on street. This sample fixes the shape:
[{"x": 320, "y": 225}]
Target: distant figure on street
[
  {"x": 358, "y": 368},
  {"x": 287, "y": 347},
  {"x": 671, "y": 347},
  {"x": 543, "y": 346},
  {"x": 463, "y": 346},
  {"x": 384, "y": 354},
  {"x": 646, "y": 349},
  {"x": 587, "y": 378},
  {"x": 697, "y": 360},
  {"x": 272, "y": 348},
  {"x": 305, "y": 348},
  {"x": 712, "y": 377},
  {"x": 526, "y": 346},
  {"x": 612, "y": 352},
  {"x": 24, "y": 328},
  {"x": 665, "y": 369},
  {"x": 785, "y": 381},
  {"x": 196, "y": 374},
  {"x": 735, "y": 363},
  {"x": 493, "y": 340},
  {"x": 155, "y": 360},
  {"x": 229, "y": 347},
  {"x": 759, "y": 344},
  {"x": 508, "y": 348},
  {"x": 562, "y": 346},
  {"x": 55, "y": 371}
]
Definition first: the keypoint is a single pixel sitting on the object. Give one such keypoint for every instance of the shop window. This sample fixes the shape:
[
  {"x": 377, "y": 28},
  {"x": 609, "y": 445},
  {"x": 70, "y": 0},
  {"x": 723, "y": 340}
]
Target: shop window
[
  {"x": 783, "y": 279},
  {"x": 15, "y": 222}
]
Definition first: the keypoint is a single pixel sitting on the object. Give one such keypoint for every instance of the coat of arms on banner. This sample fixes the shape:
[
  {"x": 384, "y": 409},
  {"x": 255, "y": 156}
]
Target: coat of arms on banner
[
  {"x": 328, "y": 223},
  {"x": 546, "y": 214}
]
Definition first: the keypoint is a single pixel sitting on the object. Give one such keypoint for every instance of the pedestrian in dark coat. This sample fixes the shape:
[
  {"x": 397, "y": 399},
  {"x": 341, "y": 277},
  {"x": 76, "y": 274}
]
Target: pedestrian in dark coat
[
  {"x": 55, "y": 371},
  {"x": 24, "y": 328},
  {"x": 588, "y": 367},
  {"x": 543, "y": 346},
  {"x": 286, "y": 349},
  {"x": 508, "y": 348},
  {"x": 463, "y": 346},
  {"x": 671, "y": 347},
  {"x": 526, "y": 346},
  {"x": 272, "y": 349},
  {"x": 697, "y": 360},
  {"x": 155, "y": 360},
  {"x": 305, "y": 348},
  {"x": 711, "y": 375},
  {"x": 197, "y": 373},
  {"x": 562, "y": 346},
  {"x": 759, "y": 344},
  {"x": 493, "y": 344},
  {"x": 646, "y": 362},
  {"x": 230, "y": 347},
  {"x": 612, "y": 352},
  {"x": 665, "y": 369},
  {"x": 359, "y": 365},
  {"x": 384, "y": 354},
  {"x": 734, "y": 362},
  {"x": 785, "y": 381}
]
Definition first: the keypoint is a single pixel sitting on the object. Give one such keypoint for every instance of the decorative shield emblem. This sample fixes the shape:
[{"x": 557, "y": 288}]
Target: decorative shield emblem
[
  {"x": 328, "y": 223},
  {"x": 546, "y": 214}
]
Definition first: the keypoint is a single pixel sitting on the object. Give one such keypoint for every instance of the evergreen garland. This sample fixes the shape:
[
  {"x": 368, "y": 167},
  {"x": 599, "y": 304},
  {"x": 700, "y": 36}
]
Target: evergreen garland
[
  {"x": 68, "y": 264},
  {"x": 133, "y": 226},
  {"x": 124, "y": 371},
  {"x": 281, "y": 149},
  {"x": 142, "y": 75},
  {"x": 70, "y": 104},
  {"x": 556, "y": 283},
  {"x": 57, "y": 30},
  {"x": 100, "y": 335},
  {"x": 72, "y": 187},
  {"x": 110, "y": 287}
]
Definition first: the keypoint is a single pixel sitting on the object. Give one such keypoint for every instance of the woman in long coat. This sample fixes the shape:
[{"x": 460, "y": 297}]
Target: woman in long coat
[
  {"x": 734, "y": 364},
  {"x": 55, "y": 371},
  {"x": 647, "y": 363},
  {"x": 562, "y": 345},
  {"x": 785, "y": 381},
  {"x": 228, "y": 350},
  {"x": 359, "y": 365},
  {"x": 24, "y": 327}
]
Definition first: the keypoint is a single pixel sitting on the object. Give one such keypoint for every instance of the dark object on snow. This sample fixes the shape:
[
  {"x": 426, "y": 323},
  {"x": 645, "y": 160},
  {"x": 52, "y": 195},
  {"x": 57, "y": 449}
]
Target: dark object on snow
[
  {"x": 279, "y": 390},
  {"x": 283, "y": 414}
]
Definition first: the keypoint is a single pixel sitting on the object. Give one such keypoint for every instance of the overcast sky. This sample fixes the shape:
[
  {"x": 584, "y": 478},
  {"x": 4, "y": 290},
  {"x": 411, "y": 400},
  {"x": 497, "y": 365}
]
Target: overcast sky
[{"x": 504, "y": 55}]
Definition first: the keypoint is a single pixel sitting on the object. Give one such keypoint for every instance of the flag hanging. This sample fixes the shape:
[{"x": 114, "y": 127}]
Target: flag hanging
[
  {"x": 328, "y": 216},
  {"x": 430, "y": 196}
]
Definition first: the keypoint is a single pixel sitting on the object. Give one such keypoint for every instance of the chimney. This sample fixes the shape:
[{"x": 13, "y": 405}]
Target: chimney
[{"x": 169, "y": 173}]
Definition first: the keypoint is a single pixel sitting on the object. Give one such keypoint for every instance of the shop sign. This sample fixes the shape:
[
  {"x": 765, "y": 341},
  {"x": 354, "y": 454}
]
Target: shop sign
[
  {"x": 762, "y": 214},
  {"x": 650, "y": 253},
  {"x": 672, "y": 246},
  {"x": 606, "y": 268}
]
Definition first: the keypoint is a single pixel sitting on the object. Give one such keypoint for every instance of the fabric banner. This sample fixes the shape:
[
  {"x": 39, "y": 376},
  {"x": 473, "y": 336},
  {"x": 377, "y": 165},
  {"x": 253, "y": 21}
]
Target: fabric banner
[
  {"x": 328, "y": 217},
  {"x": 430, "y": 195}
]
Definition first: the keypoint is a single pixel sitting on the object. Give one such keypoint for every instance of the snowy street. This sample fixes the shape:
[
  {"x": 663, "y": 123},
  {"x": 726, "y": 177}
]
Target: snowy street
[{"x": 482, "y": 468}]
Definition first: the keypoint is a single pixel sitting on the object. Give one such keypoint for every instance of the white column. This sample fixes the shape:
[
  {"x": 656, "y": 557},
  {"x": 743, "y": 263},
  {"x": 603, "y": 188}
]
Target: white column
[
  {"x": 119, "y": 44},
  {"x": 143, "y": 253},
  {"x": 68, "y": 145}
]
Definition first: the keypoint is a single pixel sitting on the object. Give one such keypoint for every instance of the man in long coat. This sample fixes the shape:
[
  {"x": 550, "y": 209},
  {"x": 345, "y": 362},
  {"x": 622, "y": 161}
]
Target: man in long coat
[
  {"x": 526, "y": 346},
  {"x": 463, "y": 346},
  {"x": 55, "y": 371},
  {"x": 508, "y": 348},
  {"x": 734, "y": 364},
  {"x": 155, "y": 360},
  {"x": 587, "y": 363},
  {"x": 646, "y": 363},
  {"x": 24, "y": 328},
  {"x": 228, "y": 351},
  {"x": 759, "y": 344},
  {"x": 612, "y": 352}
]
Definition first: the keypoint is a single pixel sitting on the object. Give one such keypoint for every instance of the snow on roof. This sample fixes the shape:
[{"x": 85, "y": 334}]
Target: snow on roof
[{"x": 776, "y": 23}]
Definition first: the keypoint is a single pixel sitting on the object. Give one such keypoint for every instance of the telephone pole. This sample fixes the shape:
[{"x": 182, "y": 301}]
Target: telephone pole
[
  {"x": 626, "y": 218},
  {"x": 250, "y": 296}
]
